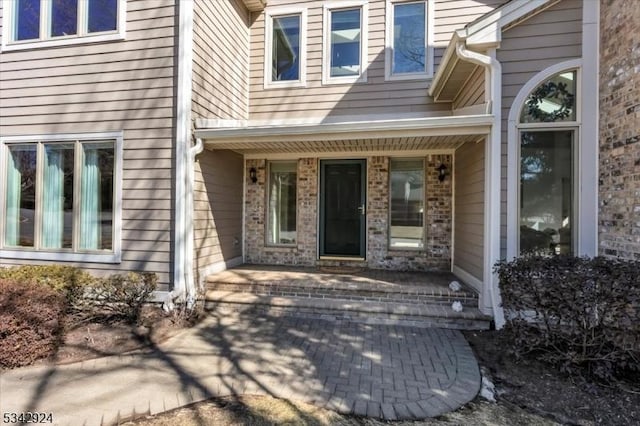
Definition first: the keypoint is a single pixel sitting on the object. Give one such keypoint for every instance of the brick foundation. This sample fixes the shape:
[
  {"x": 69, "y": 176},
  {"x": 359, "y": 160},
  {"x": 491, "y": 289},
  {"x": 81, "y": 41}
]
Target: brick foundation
[{"x": 619, "y": 192}]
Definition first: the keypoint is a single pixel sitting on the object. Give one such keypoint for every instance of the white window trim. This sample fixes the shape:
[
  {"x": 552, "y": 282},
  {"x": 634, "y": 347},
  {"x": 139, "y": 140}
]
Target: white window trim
[
  {"x": 326, "y": 42},
  {"x": 267, "y": 192},
  {"x": 276, "y": 12},
  {"x": 8, "y": 44},
  {"x": 114, "y": 256},
  {"x": 389, "y": 35},
  {"x": 424, "y": 207},
  {"x": 514, "y": 127}
]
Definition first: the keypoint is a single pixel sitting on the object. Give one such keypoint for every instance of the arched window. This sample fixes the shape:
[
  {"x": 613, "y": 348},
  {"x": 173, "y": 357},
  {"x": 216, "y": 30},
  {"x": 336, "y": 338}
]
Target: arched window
[{"x": 547, "y": 132}]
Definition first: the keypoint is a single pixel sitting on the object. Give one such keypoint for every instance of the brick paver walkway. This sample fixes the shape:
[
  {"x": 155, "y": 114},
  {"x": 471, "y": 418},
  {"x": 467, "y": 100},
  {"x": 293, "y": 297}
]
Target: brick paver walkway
[{"x": 389, "y": 372}]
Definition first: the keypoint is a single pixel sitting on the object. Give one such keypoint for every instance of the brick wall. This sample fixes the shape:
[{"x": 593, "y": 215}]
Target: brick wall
[
  {"x": 619, "y": 192},
  {"x": 438, "y": 203},
  {"x": 256, "y": 250}
]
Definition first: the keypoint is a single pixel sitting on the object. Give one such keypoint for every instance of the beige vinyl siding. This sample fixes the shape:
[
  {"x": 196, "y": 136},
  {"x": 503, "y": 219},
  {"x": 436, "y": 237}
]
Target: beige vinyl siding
[
  {"x": 469, "y": 209},
  {"x": 102, "y": 87},
  {"x": 376, "y": 96},
  {"x": 451, "y": 15},
  {"x": 472, "y": 92},
  {"x": 217, "y": 208},
  {"x": 548, "y": 38},
  {"x": 220, "y": 59}
]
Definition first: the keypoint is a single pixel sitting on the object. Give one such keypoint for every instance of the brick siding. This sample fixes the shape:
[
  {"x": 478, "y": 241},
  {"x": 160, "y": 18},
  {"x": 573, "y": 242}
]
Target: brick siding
[
  {"x": 619, "y": 192},
  {"x": 438, "y": 222}
]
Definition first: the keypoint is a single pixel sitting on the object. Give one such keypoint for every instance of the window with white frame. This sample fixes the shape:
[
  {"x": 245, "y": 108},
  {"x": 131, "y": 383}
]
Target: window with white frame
[
  {"x": 285, "y": 47},
  {"x": 406, "y": 229},
  {"x": 408, "y": 36},
  {"x": 60, "y": 195},
  {"x": 547, "y": 131},
  {"x": 282, "y": 203},
  {"x": 345, "y": 42},
  {"x": 36, "y": 23}
]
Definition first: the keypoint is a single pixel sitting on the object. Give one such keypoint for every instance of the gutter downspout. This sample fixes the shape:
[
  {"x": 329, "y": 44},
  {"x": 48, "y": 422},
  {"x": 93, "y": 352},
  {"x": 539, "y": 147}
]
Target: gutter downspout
[
  {"x": 492, "y": 175},
  {"x": 192, "y": 290},
  {"x": 181, "y": 287}
]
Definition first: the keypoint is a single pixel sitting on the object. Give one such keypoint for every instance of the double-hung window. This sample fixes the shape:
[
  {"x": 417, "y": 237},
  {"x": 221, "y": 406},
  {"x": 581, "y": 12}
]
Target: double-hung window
[
  {"x": 406, "y": 230},
  {"x": 285, "y": 47},
  {"x": 409, "y": 35},
  {"x": 61, "y": 197},
  {"x": 38, "y": 23},
  {"x": 345, "y": 42},
  {"x": 281, "y": 223}
]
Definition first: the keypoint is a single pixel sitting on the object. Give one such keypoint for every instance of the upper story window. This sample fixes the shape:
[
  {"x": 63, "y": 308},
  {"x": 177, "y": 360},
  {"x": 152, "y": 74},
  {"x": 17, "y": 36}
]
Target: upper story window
[
  {"x": 61, "y": 197},
  {"x": 408, "y": 36},
  {"x": 285, "y": 44},
  {"x": 345, "y": 42},
  {"x": 40, "y": 23}
]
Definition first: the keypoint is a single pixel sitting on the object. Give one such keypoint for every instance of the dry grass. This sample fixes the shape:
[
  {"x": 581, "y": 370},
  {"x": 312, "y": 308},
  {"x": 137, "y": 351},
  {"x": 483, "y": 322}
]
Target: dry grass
[{"x": 267, "y": 411}]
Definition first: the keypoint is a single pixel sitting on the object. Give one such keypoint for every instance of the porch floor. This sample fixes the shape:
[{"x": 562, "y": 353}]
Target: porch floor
[{"x": 347, "y": 293}]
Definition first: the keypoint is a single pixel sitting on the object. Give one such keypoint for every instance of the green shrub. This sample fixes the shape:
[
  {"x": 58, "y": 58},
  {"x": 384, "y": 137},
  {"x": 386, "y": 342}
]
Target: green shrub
[
  {"x": 579, "y": 313},
  {"x": 120, "y": 296},
  {"x": 69, "y": 280},
  {"x": 31, "y": 322}
]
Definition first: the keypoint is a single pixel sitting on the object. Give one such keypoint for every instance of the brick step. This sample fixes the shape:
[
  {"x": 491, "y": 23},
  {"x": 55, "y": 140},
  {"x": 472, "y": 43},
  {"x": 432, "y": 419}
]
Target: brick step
[
  {"x": 370, "y": 312},
  {"x": 352, "y": 291}
]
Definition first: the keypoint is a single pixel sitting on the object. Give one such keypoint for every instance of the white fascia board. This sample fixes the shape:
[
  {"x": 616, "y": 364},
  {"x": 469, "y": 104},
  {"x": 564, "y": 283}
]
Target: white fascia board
[
  {"x": 487, "y": 30},
  {"x": 449, "y": 54},
  {"x": 351, "y": 128}
]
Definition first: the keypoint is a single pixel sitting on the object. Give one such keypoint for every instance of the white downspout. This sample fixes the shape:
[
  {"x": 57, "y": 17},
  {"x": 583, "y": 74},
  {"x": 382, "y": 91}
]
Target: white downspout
[
  {"x": 492, "y": 176},
  {"x": 183, "y": 141},
  {"x": 192, "y": 290}
]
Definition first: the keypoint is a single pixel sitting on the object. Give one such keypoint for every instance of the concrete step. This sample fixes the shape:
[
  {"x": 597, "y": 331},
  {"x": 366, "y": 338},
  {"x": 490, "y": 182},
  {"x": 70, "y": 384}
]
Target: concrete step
[
  {"x": 365, "y": 292},
  {"x": 362, "y": 311}
]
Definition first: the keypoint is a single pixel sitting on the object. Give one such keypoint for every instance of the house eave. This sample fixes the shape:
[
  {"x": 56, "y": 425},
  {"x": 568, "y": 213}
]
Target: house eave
[
  {"x": 483, "y": 34},
  {"x": 255, "y": 5},
  {"x": 410, "y": 127}
]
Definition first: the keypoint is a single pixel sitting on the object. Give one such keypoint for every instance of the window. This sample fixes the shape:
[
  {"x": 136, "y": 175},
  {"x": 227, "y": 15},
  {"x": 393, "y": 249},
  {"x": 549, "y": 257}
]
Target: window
[
  {"x": 408, "y": 36},
  {"x": 406, "y": 229},
  {"x": 60, "y": 197},
  {"x": 345, "y": 43},
  {"x": 35, "y": 23},
  {"x": 285, "y": 55},
  {"x": 547, "y": 132},
  {"x": 281, "y": 222}
]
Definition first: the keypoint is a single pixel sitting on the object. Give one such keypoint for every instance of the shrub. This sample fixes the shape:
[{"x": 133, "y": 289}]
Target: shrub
[
  {"x": 579, "y": 313},
  {"x": 69, "y": 280},
  {"x": 120, "y": 296},
  {"x": 31, "y": 320}
]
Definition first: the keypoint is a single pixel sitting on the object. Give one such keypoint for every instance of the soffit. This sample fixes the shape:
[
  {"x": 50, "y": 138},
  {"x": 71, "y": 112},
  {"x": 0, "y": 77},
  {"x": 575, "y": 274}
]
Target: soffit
[
  {"x": 368, "y": 146},
  {"x": 255, "y": 5}
]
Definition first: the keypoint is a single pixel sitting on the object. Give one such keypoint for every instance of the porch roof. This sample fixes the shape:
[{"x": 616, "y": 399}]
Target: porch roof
[{"x": 373, "y": 136}]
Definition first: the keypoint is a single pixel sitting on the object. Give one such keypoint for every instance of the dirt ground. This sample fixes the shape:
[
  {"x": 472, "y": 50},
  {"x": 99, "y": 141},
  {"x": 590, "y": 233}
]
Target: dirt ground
[{"x": 527, "y": 392}]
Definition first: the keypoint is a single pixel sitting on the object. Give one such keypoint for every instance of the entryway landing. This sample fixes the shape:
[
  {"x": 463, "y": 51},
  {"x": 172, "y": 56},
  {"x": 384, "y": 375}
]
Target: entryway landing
[{"x": 347, "y": 293}]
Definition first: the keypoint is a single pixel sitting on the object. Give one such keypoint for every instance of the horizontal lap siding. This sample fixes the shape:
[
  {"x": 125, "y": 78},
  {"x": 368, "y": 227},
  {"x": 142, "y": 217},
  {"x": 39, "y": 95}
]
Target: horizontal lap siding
[
  {"x": 472, "y": 93},
  {"x": 220, "y": 59},
  {"x": 469, "y": 209},
  {"x": 451, "y": 15},
  {"x": 548, "y": 38},
  {"x": 220, "y": 90},
  {"x": 376, "y": 96},
  {"x": 101, "y": 87},
  {"x": 217, "y": 212}
]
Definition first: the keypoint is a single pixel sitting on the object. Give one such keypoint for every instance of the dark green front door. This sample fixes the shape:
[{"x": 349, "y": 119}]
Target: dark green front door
[{"x": 342, "y": 204}]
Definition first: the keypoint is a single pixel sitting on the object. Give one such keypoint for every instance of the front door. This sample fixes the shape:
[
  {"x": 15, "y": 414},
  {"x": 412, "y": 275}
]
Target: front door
[{"x": 342, "y": 208}]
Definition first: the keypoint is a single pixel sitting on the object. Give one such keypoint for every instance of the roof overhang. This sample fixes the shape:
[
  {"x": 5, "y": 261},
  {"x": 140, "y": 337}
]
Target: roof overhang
[
  {"x": 255, "y": 5},
  {"x": 413, "y": 134},
  {"x": 480, "y": 35}
]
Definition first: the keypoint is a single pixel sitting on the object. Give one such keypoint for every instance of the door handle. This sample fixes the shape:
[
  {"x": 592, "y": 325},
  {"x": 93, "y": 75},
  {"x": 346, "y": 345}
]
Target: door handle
[{"x": 362, "y": 210}]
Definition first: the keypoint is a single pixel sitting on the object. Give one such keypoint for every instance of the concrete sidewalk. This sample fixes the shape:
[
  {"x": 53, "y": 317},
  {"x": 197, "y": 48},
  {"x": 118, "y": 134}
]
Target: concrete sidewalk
[{"x": 388, "y": 372}]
